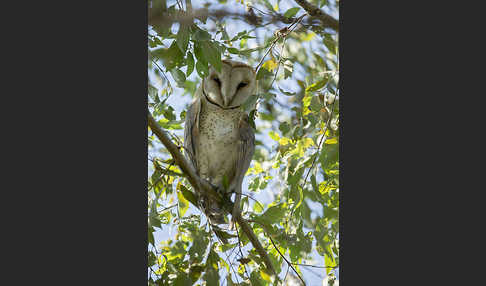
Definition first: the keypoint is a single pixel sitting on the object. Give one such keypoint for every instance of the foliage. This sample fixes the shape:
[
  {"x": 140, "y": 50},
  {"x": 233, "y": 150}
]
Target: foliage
[{"x": 291, "y": 194}]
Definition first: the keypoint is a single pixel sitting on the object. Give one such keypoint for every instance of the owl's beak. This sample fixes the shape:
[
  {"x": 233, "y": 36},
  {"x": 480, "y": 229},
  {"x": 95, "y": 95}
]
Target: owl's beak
[{"x": 226, "y": 98}]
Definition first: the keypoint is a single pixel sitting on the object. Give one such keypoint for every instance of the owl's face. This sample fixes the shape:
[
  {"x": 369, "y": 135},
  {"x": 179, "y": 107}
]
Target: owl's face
[{"x": 232, "y": 86}]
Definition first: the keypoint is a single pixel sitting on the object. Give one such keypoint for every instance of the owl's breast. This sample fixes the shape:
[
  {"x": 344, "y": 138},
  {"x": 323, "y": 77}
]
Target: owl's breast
[{"x": 217, "y": 148}]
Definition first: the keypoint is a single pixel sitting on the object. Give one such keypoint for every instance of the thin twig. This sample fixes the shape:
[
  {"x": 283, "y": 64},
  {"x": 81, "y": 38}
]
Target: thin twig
[
  {"x": 316, "y": 266},
  {"x": 227, "y": 257},
  {"x": 323, "y": 138},
  {"x": 268, "y": 50},
  {"x": 288, "y": 262},
  {"x": 241, "y": 252}
]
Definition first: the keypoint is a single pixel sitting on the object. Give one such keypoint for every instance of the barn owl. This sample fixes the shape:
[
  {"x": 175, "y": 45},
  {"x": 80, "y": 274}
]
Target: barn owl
[{"x": 218, "y": 139}]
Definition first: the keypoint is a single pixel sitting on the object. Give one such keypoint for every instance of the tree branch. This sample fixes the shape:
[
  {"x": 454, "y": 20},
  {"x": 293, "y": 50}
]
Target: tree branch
[
  {"x": 158, "y": 17},
  {"x": 314, "y": 11},
  {"x": 204, "y": 187}
]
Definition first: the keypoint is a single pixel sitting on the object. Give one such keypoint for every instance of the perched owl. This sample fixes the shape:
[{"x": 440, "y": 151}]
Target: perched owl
[{"x": 218, "y": 139}]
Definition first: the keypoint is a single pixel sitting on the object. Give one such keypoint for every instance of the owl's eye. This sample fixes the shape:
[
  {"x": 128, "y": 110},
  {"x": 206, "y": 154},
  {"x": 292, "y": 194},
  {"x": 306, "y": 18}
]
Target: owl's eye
[
  {"x": 217, "y": 81},
  {"x": 242, "y": 84}
]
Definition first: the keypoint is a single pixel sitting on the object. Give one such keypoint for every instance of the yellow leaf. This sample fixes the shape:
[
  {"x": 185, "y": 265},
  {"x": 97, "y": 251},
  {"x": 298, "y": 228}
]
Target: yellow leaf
[
  {"x": 258, "y": 168},
  {"x": 284, "y": 141},
  {"x": 307, "y": 142},
  {"x": 171, "y": 180},
  {"x": 270, "y": 65},
  {"x": 276, "y": 165},
  {"x": 183, "y": 204},
  {"x": 274, "y": 135},
  {"x": 265, "y": 276},
  {"x": 331, "y": 141},
  {"x": 325, "y": 188},
  {"x": 309, "y": 36},
  {"x": 306, "y": 103},
  {"x": 275, "y": 7}
]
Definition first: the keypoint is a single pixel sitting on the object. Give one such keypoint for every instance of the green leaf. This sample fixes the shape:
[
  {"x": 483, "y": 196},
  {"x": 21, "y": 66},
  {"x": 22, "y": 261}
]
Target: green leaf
[
  {"x": 317, "y": 85},
  {"x": 188, "y": 195},
  {"x": 152, "y": 92},
  {"x": 224, "y": 236},
  {"x": 291, "y": 12},
  {"x": 263, "y": 73},
  {"x": 151, "y": 236},
  {"x": 201, "y": 35},
  {"x": 284, "y": 127},
  {"x": 199, "y": 245},
  {"x": 212, "y": 54},
  {"x": 195, "y": 272},
  {"x": 250, "y": 103},
  {"x": 199, "y": 53},
  {"x": 169, "y": 113},
  {"x": 171, "y": 57},
  {"x": 182, "y": 280},
  {"x": 330, "y": 43},
  {"x": 211, "y": 277},
  {"x": 190, "y": 64},
  {"x": 297, "y": 194},
  {"x": 273, "y": 214},
  {"x": 183, "y": 38},
  {"x": 286, "y": 92},
  {"x": 202, "y": 69},
  {"x": 255, "y": 278},
  {"x": 178, "y": 76},
  {"x": 257, "y": 208},
  {"x": 329, "y": 156},
  {"x": 233, "y": 51},
  {"x": 294, "y": 178},
  {"x": 151, "y": 258},
  {"x": 315, "y": 104},
  {"x": 254, "y": 184}
]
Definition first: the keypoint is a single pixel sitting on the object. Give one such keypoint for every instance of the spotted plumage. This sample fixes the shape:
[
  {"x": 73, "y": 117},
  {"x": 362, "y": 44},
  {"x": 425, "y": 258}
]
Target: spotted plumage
[{"x": 218, "y": 139}]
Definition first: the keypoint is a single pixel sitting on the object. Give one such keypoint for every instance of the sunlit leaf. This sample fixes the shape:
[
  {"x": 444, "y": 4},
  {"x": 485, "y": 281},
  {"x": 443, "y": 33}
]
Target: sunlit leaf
[
  {"x": 270, "y": 65},
  {"x": 183, "y": 204},
  {"x": 291, "y": 12}
]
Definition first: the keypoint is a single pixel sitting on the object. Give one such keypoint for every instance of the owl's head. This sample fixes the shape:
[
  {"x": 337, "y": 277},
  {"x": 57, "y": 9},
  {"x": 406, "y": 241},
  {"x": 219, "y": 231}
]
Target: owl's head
[{"x": 232, "y": 86}]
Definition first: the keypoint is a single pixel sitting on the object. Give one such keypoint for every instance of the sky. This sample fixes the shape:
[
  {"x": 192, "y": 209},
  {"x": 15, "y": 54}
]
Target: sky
[{"x": 312, "y": 276}]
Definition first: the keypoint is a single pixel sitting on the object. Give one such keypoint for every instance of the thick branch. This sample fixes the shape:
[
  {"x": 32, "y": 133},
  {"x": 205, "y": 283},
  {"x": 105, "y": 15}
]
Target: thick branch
[
  {"x": 314, "y": 11},
  {"x": 164, "y": 18},
  {"x": 181, "y": 161},
  {"x": 254, "y": 240},
  {"x": 203, "y": 186}
]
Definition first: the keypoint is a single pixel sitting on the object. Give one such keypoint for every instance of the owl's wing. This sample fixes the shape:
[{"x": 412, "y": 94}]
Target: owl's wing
[
  {"x": 191, "y": 131},
  {"x": 246, "y": 148}
]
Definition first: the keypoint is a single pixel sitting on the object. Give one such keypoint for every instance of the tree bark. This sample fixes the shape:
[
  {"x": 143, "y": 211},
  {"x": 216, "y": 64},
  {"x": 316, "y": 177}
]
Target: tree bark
[{"x": 314, "y": 11}]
